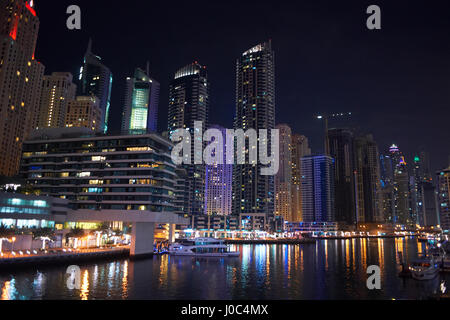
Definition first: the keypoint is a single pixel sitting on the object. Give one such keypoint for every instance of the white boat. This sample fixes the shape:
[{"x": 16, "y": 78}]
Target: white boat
[
  {"x": 202, "y": 247},
  {"x": 424, "y": 269}
]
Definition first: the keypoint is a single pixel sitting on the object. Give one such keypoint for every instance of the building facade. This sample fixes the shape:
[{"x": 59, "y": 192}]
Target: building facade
[
  {"x": 318, "y": 189},
  {"x": 368, "y": 180},
  {"x": 188, "y": 103},
  {"x": 96, "y": 80},
  {"x": 443, "y": 179},
  {"x": 57, "y": 91},
  {"x": 20, "y": 80},
  {"x": 341, "y": 145},
  {"x": 300, "y": 149},
  {"x": 101, "y": 173},
  {"x": 140, "y": 110},
  {"x": 283, "y": 179},
  {"x": 84, "y": 112},
  {"x": 219, "y": 183},
  {"x": 255, "y": 109}
]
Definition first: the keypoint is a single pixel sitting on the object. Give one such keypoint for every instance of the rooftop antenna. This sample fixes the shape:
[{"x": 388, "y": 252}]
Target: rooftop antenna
[
  {"x": 89, "y": 48},
  {"x": 148, "y": 68}
]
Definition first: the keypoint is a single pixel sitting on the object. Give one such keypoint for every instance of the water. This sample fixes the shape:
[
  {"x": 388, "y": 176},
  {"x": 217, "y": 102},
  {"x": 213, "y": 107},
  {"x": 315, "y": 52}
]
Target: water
[{"x": 329, "y": 269}]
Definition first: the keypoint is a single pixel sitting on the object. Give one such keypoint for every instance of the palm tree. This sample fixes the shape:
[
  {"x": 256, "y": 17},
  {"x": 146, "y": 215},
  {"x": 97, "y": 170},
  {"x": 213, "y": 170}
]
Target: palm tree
[
  {"x": 6, "y": 232},
  {"x": 43, "y": 233}
]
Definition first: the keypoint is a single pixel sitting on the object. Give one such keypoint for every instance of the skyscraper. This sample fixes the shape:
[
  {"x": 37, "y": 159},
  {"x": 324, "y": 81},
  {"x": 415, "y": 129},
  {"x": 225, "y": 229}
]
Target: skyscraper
[
  {"x": 283, "y": 179},
  {"x": 318, "y": 189},
  {"x": 341, "y": 143},
  {"x": 188, "y": 103},
  {"x": 387, "y": 188},
  {"x": 140, "y": 110},
  {"x": 443, "y": 178},
  {"x": 84, "y": 112},
  {"x": 401, "y": 187},
  {"x": 300, "y": 149},
  {"x": 368, "y": 187},
  {"x": 20, "y": 80},
  {"x": 57, "y": 91},
  {"x": 219, "y": 182},
  {"x": 96, "y": 79},
  {"x": 255, "y": 109}
]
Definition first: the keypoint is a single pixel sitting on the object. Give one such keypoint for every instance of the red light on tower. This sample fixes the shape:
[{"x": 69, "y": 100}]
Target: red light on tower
[{"x": 29, "y": 6}]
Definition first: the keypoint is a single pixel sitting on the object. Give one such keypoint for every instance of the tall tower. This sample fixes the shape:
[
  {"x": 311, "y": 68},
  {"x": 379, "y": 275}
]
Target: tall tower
[
  {"x": 57, "y": 91},
  {"x": 300, "y": 149},
  {"x": 255, "y": 109},
  {"x": 368, "y": 184},
  {"x": 401, "y": 187},
  {"x": 219, "y": 182},
  {"x": 443, "y": 178},
  {"x": 188, "y": 103},
  {"x": 283, "y": 179},
  {"x": 96, "y": 79},
  {"x": 141, "y": 104},
  {"x": 318, "y": 189},
  {"x": 20, "y": 80},
  {"x": 341, "y": 142}
]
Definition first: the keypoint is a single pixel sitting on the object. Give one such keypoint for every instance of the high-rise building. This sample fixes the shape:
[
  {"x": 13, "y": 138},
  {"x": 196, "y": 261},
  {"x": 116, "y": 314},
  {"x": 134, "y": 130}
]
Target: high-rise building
[
  {"x": 429, "y": 206},
  {"x": 140, "y": 112},
  {"x": 387, "y": 188},
  {"x": 401, "y": 188},
  {"x": 255, "y": 109},
  {"x": 300, "y": 149},
  {"x": 117, "y": 174},
  {"x": 96, "y": 79},
  {"x": 283, "y": 179},
  {"x": 57, "y": 91},
  {"x": 188, "y": 103},
  {"x": 84, "y": 112},
  {"x": 443, "y": 179},
  {"x": 219, "y": 182},
  {"x": 318, "y": 189},
  {"x": 368, "y": 186},
  {"x": 341, "y": 146},
  {"x": 20, "y": 80}
]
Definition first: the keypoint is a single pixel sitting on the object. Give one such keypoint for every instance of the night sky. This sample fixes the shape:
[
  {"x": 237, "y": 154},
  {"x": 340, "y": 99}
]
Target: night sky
[{"x": 396, "y": 80}]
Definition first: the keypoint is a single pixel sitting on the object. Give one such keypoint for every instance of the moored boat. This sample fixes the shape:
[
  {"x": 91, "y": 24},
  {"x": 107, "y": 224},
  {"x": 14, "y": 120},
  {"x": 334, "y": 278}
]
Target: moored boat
[
  {"x": 424, "y": 269},
  {"x": 202, "y": 247}
]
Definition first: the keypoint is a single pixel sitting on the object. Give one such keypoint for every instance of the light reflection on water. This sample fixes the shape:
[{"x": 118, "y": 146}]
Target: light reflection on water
[{"x": 329, "y": 269}]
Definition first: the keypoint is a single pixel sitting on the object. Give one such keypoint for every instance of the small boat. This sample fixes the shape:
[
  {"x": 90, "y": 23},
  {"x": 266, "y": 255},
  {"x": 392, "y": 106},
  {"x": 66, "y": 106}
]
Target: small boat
[
  {"x": 424, "y": 269},
  {"x": 202, "y": 247},
  {"x": 438, "y": 254}
]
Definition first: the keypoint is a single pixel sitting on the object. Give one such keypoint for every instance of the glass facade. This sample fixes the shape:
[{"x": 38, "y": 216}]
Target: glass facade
[{"x": 104, "y": 173}]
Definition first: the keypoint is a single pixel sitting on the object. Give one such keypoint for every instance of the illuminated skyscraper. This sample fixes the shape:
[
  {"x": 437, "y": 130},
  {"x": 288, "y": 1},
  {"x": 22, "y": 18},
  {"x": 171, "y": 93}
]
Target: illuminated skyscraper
[
  {"x": 283, "y": 179},
  {"x": 255, "y": 109},
  {"x": 318, "y": 189},
  {"x": 20, "y": 80},
  {"x": 443, "y": 178},
  {"x": 219, "y": 182},
  {"x": 96, "y": 79},
  {"x": 140, "y": 111},
  {"x": 402, "y": 212},
  {"x": 300, "y": 149},
  {"x": 57, "y": 91},
  {"x": 188, "y": 103}
]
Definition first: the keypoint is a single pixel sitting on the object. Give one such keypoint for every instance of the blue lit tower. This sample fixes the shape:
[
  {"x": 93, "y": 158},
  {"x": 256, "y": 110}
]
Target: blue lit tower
[
  {"x": 96, "y": 79},
  {"x": 318, "y": 188}
]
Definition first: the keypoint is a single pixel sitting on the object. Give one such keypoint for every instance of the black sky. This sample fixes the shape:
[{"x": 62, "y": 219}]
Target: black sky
[{"x": 395, "y": 80}]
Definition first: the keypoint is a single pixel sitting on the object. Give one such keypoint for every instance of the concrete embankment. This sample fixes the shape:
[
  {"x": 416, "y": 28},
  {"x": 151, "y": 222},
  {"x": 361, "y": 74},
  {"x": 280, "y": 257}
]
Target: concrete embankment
[
  {"x": 63, "y": 258},
  {"x": 275, "y": 241}
]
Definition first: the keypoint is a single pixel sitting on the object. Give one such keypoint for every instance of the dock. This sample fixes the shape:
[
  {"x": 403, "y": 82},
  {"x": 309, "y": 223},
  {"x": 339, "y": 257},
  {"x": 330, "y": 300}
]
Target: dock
[{"x": 274, "y": 241}]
